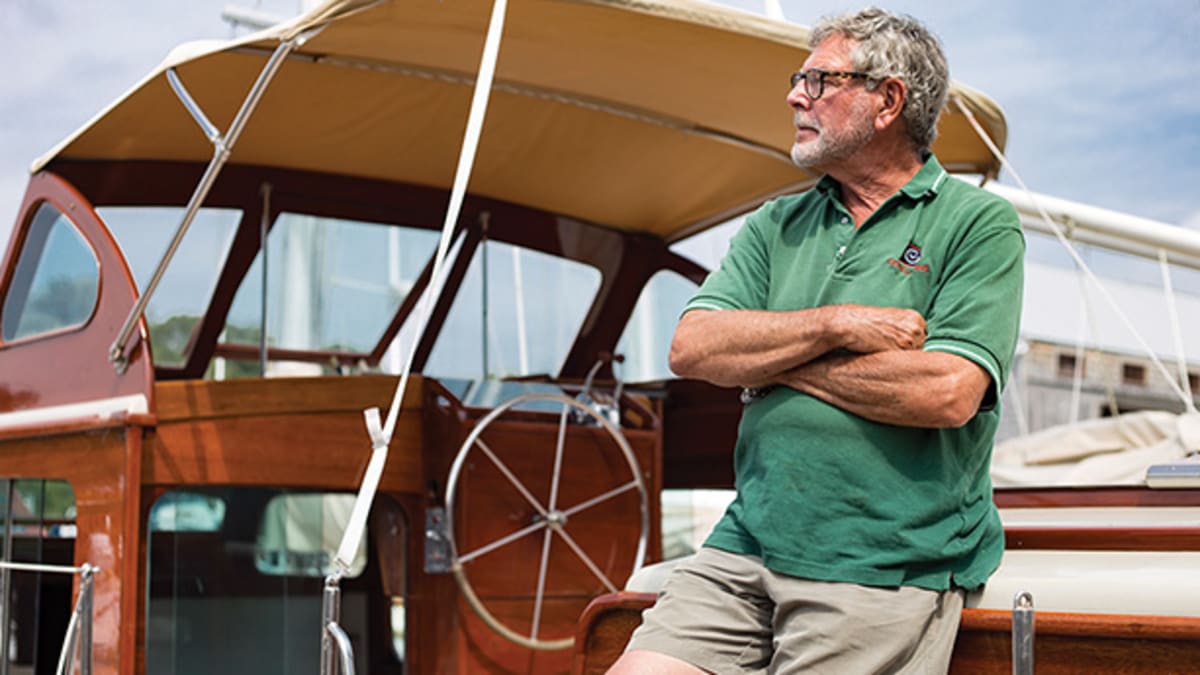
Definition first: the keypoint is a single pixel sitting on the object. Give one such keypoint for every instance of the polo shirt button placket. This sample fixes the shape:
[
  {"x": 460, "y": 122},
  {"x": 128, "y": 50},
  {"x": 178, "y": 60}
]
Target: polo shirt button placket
[{"x": 845, "y": 220}]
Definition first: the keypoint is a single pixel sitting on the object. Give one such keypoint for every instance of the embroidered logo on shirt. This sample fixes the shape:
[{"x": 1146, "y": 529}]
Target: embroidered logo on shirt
[{"x": 908, "y": 260}]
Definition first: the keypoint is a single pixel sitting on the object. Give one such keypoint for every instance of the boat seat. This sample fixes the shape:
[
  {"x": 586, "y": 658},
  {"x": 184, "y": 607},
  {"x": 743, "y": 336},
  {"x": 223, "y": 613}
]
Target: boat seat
[{"x": 1063, "y": 581}]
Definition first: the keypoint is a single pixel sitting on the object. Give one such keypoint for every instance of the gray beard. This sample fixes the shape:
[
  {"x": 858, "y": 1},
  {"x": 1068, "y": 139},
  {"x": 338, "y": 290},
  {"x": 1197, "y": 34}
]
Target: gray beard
[{"x": 830, "y": 148}]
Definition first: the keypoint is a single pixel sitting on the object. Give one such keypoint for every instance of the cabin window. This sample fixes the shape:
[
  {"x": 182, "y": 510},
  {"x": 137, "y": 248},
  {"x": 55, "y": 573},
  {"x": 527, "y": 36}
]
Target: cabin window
[
  {"x": 183, "y": 294},
  {"x": 56, "y": 282},
  {"x": 518, "y": 319},
  {"x": 334, "y": 285},
  {"x": 646, "y": 341},
  {"x": 1194, "y": 383},
  {"x": 39, "y": 527},
  {"x": 235, "y": 578}
]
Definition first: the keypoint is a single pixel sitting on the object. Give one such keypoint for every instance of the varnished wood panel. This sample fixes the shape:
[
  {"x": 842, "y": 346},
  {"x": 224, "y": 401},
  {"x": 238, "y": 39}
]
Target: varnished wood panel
[
  {"x": 489, "y": 508},
  {"x": 320, "y": 450},
  {"x": 482, "y": 650},
  {"x": 95, "y": 463},
  {"x": 990, "y": 653},
  {"x": 182, "y": 400},
  {"x": 1015, "y": 498}
]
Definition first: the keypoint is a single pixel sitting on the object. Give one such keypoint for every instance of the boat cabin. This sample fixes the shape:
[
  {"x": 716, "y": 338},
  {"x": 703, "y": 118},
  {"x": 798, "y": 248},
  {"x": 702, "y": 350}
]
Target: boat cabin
[{"x": 286, "y": 389}]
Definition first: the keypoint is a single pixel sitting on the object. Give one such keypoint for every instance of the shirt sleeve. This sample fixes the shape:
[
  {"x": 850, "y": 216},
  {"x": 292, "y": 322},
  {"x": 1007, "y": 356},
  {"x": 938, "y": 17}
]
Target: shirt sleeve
[
  {"x": 976, "y": 312},
  {"x": 741, "y": 279}
]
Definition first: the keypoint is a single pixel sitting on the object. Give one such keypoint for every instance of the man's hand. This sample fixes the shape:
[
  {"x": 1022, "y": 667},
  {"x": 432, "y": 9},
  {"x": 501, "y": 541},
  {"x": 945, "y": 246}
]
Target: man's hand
[{"x": 866, "y": 330}]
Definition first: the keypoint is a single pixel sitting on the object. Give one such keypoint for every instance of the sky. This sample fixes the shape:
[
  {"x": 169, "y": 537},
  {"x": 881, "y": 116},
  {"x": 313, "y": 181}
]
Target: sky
[{"x": 1101, "y": 96}]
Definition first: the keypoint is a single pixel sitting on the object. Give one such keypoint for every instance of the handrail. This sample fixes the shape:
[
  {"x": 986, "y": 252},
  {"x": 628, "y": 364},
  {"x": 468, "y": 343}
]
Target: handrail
[
  {"x": 345, "y": 650},
  {"x": 78, "y": 638},
  {"x": 333, "y": 637}
]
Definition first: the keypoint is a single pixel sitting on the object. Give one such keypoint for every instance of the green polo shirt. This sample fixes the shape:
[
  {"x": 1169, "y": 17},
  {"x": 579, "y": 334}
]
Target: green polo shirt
[{"x": 822, "y": 493}]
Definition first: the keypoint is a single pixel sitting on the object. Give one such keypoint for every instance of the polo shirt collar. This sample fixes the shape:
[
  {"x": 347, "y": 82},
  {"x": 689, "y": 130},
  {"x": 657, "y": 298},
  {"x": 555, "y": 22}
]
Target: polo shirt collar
[{"x": 927, "y": 181}]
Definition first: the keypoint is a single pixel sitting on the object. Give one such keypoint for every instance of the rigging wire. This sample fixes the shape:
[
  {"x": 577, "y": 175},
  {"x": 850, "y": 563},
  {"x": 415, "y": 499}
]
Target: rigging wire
[
  {"x": 1079, "y": 262},
  {"x": 1176, "y": 327}
]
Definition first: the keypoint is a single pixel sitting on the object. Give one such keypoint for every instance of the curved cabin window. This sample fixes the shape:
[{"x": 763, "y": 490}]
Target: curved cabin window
[
  {"x": 143, "y": 234},
  {"x": 646, "y": 341},
  {"x": 333, "y": 286},
  {"x": 39, "y": 528},
  {"x": 56, "y": 281},
  {"x": 235, "y": 578},
  {"x": 517, "y": 319}
]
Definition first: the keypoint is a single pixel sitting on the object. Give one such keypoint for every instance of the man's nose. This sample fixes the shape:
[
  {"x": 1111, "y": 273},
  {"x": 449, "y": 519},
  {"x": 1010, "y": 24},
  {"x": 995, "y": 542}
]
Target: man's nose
[{"x": 798, "y": 98}]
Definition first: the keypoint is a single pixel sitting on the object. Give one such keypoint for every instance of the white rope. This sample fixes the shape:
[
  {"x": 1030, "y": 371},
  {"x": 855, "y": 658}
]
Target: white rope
[
  {"x": 381, "y": 436},
  {"x": 1083, "y": 267},
  {"x": 1176, "y": 327}
]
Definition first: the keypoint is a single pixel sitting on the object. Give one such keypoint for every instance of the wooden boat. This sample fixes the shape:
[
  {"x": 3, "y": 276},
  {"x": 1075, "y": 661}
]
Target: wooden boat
[{"x": 182, "y": 447}]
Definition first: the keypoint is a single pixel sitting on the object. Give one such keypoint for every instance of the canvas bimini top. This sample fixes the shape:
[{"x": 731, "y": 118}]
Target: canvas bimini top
[{"x": 657, "y": 116}]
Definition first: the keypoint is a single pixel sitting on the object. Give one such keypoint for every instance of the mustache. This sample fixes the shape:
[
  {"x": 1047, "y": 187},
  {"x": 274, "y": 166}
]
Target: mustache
[{"x": 803, "y": 121}]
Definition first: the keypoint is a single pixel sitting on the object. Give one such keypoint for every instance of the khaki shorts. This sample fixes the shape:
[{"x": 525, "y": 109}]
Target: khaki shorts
[{"x": 726, "y": 613}]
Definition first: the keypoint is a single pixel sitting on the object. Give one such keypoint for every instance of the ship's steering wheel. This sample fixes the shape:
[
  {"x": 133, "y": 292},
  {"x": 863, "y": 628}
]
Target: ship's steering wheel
[{"x": 550, "y": 517}]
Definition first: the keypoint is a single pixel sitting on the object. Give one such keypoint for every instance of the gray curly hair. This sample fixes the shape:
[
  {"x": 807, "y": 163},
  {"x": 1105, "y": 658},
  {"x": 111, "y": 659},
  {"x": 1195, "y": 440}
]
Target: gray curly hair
[{"x": 896, "y": 45}]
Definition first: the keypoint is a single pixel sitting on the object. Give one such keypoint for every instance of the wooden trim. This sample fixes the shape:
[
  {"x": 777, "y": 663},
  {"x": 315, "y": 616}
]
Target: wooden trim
[
  {"x": 1118, "y": 626},
  {"x": 248, "y": 352},
  {"x": 1103, "y": 538},
  {"x": 604, "y": 628},
  {"x": 194, "y": 400},
  {"x": 131, "y": 562},
  {"x": 1020, "y": 498},
  {"x": 66, "y": 427}
]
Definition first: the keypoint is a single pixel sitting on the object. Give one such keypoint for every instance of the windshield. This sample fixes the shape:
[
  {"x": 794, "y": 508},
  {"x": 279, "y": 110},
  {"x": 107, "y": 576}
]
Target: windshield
[{"x": 332, "y": 285}]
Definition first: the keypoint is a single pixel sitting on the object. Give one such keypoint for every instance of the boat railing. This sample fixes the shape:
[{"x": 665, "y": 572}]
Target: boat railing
[
  {"x": 78, "y": 638},
  {"x": 336, "y": 649}
]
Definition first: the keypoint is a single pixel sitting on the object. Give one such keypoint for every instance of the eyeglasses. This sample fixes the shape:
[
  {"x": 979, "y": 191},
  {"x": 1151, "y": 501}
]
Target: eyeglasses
[{"x": 814, "y": 79}]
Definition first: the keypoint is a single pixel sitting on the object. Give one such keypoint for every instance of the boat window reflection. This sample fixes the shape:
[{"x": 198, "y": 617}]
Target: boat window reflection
[
  {"x": 299, "y": 534},
  {"x": 39, "y": 527},
  {"x": 245, "y": 596},
  {"x": 535, "y": 305},
  {"x": 334, "y": 285},
  {"x": 646, "y": 341},
  {"x": 56, "y": 280},
  {"x": 183, "y": 294}
]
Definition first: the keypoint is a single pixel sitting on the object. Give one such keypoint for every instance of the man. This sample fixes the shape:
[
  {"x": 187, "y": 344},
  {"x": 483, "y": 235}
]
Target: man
[{"x": 872, "y": 322}]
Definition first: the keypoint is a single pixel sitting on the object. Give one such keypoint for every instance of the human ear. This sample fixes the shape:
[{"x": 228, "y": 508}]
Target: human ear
[{"x": 893, "y": 93}]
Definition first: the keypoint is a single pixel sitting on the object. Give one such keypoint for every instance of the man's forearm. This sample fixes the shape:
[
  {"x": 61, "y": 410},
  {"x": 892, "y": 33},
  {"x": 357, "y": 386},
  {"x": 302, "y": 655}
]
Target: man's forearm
[
  {"x": 752, "y": 348},
  {"x": 903, "y": 387},
  {"x": 749, "y": 348}
]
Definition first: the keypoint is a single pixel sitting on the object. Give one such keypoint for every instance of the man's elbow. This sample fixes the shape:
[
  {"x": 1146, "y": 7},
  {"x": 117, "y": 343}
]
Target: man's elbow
[
  {"x": 961, "y": 395},
  {"x": 685, "y": 355},
  {"x": 682, "y": 359}
]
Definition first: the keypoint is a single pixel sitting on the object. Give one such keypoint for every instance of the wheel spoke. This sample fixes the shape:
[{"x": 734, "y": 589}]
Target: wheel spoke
[
  {"x": 512, "y": 478},
  {"x": 612, "y": 588},
  {"x": 601, "y": 498},
  {"x": 488, "y": 548},
  {"x": 558, "y": 455},
  {"x": 541, "y": 583}
]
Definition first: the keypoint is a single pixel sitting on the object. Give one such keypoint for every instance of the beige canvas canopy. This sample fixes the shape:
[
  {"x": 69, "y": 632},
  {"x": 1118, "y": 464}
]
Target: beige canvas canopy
[{"x": 663, "y": 116}]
